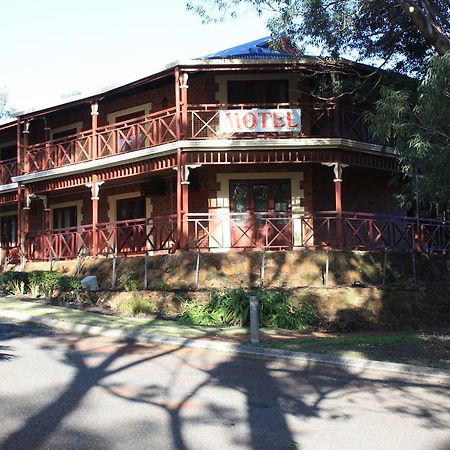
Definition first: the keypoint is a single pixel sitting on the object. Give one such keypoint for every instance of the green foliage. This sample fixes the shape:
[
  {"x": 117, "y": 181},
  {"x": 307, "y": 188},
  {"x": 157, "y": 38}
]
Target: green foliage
[
  {"x": 13, "y": 282},
  {"x": 38, "y": 282},
  {"x": 418, "y": 125},
  {"x": 232, "y": 308},
  {"x": 137, "y": 305},
  {"x": 375, "y": 29},
  {"x": 131, "y": 284}
]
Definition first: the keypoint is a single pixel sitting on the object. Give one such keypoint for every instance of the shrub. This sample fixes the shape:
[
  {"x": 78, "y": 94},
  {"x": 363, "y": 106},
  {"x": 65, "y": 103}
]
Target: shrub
[
  {"x": 137, "y": 305},
  {"x": 131, "y": 284},
  {"x": 15, "y": 282},
  {"x": 232, "y": 308},
  {"x": 48, "y": 282}
]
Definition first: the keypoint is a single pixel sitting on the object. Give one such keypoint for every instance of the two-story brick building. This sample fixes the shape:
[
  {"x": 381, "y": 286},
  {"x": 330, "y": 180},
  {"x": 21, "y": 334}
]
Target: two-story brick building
[{"x": 226, "y": 152}]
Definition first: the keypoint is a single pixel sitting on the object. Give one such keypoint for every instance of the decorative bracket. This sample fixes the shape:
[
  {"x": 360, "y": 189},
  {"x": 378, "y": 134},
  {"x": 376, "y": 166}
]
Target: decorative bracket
[
  {"x": 94, "y": 109},
  {"x": 95, "y": 189},
  {"x": 337, "y": 168},
  {"x": 183, "y": 80},
  {"x": 186, "y": 171},
  {"x": 31, "y": 197}
]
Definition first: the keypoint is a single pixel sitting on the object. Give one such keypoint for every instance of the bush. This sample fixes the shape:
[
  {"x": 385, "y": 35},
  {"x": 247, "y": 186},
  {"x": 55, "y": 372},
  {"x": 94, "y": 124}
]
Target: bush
[
  {"x": 131, "y": 284},
  {"x": 232, "y": 308},
  {"x": 13, "y": 282},
  {"x": 137, "y": 305},
  {"x": 48, "y": 283}
]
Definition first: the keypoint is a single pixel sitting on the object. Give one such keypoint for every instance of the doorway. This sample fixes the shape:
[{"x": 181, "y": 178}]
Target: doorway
[{"x": 260, "y": 214}]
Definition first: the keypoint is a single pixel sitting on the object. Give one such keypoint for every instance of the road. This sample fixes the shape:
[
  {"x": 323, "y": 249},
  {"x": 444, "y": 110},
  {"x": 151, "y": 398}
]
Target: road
[{"x": 61, "y": 391}]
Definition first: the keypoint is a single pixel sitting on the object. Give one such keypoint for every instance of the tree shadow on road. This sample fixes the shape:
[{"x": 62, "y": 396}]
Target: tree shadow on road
[{"x": 267, "y": 402}]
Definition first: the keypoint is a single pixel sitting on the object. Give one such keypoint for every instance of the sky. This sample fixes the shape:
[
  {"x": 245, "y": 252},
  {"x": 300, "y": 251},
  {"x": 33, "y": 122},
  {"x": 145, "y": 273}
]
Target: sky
[{"x": 53, "y": 48}]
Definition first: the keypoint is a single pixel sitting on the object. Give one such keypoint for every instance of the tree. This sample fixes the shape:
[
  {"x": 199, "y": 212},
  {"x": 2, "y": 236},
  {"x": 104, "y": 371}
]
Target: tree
[
  {"x": 403, "y": 32},
  {"x": 5, "y": 111},
  {"x": 418, "y": 125},
  {"x": 411, "y": 36}
]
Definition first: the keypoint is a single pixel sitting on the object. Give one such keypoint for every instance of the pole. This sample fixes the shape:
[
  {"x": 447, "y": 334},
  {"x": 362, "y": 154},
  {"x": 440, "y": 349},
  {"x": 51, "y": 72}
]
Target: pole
[
  {"x": 254, "y": 320},
  {"x": 197, "y": 269},
  {"x": 145, "y": 270},
  {"x": 327, "y": 267}
]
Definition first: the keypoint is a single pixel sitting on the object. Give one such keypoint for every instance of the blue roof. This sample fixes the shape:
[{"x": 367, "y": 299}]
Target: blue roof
[{"x": 259, "y": 49}]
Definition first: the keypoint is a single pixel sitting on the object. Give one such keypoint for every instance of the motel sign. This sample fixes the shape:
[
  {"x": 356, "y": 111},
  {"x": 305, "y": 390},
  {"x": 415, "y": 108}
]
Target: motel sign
[{"x": 260, "y": 120}]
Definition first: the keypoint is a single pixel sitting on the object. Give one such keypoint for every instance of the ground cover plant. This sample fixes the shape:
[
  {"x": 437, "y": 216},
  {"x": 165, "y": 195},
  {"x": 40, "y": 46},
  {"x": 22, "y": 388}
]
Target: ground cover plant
[
  {"x": 231, "y": 307},
  {"x": 39, "y": 283}
]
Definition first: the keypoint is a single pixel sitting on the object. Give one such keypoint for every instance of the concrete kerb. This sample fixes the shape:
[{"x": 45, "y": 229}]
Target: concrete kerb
[{"x": 351, "y": 364}]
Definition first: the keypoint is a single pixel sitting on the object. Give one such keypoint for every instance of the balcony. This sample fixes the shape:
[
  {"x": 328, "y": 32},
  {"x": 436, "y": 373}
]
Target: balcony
[
  {"x": 260, "y": 231},
  {"x": 8, "y": 169},
  {"x": 201, "y": 122}
]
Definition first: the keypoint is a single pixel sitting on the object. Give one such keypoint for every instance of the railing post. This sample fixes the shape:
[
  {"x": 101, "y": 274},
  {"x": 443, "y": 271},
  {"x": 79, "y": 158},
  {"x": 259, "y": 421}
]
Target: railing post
[
  {"x": 177, "y": 103},
  {"x": 179, "y": 198},
  {"x": 94, "y": 116},
  {"x": 95, "y": 188},
  {"x": 26, "y": 133},
  {"x": 19, "y": 188},
  {"x": 184, "y": 103}
]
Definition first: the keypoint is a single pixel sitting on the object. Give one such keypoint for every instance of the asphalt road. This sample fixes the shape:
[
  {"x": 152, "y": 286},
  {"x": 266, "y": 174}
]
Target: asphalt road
[{"x": 60, "y": 391}]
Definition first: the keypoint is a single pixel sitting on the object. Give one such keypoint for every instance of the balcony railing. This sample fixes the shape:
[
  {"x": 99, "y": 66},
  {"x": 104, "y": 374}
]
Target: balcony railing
[
  {"x": 262, "y": 231},
  {"x": 8, "y": 169},
  {"x": 318, "y": 120},
  {"x": 127, "y": 237}
]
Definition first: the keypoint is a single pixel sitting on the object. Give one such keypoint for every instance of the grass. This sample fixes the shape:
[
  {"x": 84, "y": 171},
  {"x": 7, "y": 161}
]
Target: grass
[
  {"x": 410, "y": 348},
  {"x": 423, "y": 349},
  {"x": 147, "y": 325}
]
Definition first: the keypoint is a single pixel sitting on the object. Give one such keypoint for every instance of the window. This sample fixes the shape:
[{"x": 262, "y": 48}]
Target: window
[
  {"x": 64, "y": 133},
  {"x": 65, "y": 217},
  {"x": 8, "y": 152},
  {"x": 8, "y": 231},
  {"x": 130, "y": 137},
  {"x": 130, "y": 208},
  {"x": 258, "y": 91}
]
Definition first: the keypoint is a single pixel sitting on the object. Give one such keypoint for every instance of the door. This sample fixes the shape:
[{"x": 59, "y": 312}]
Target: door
[
  {"x": 131, "y": 232},
  {"x": 64, "y": 240},
  {"x": 260, "y": 214}
]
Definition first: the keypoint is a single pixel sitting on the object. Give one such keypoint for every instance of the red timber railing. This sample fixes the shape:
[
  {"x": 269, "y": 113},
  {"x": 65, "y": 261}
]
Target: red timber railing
[
  {"x": 126, "y": 237},
  {"x": 322, "y": 120},
  {"x": 135, "y": 134},
  {"x": 242, "y": 231},
  {"x": 8, "y": 169}
]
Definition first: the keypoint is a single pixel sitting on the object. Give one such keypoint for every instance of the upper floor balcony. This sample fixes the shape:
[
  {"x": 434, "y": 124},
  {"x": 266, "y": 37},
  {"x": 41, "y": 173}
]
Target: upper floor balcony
[
  {"x": 8, "y": 169},
  {"x": 202, "y": 122}
]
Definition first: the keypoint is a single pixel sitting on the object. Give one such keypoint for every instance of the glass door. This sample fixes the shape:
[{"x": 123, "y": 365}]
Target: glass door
[
  {"x": 260, "y": 214},
  {"x": 130, "y": 232}
]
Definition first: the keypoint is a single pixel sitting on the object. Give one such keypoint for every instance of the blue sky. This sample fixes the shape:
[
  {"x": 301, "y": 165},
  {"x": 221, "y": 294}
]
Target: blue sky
[{"x": 52, "y": 48}]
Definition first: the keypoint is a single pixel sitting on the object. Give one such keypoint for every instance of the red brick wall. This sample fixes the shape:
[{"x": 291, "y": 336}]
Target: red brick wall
[{"x": 363, "y": 190}]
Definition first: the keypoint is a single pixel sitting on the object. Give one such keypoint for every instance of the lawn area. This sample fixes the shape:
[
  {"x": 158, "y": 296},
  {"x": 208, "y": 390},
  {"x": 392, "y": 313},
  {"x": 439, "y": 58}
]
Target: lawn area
[{"x": 424, "y": 349}]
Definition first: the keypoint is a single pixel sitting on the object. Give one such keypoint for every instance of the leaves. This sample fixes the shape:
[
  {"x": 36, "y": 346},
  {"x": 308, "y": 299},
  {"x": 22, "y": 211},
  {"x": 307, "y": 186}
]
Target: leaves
[
  {"x": 419, "y": 127},
  {"x": 382, "y": 30}
]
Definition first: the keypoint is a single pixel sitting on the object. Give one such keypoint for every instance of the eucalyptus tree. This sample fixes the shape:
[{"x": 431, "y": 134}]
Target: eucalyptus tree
[{"x": 411, "y": 37}]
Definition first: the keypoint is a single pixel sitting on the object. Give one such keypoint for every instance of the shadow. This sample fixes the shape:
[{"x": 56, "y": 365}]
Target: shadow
[
  {"x": 3, "y": 355},
  {"x": 41, "y": 425},
  {"x": 254, "y": 402}
]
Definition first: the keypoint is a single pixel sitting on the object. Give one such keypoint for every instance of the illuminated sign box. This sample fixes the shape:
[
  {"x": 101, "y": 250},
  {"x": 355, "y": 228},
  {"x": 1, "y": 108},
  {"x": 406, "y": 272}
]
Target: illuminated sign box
[{"x": 259, "y": 120}]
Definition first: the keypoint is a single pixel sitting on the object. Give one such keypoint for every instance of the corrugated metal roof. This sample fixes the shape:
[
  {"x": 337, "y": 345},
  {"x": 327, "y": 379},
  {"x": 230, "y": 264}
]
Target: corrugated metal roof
[{"x": 259, "y": 49}]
